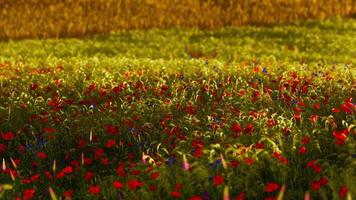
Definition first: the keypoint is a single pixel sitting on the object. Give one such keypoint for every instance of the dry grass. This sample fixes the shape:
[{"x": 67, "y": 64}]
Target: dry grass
[{"x": 71, "y": 18}]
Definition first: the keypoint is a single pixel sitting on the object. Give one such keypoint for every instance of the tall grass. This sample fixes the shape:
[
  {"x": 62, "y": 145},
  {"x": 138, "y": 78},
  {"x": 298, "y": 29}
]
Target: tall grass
[{"x": 70, "y": 18}]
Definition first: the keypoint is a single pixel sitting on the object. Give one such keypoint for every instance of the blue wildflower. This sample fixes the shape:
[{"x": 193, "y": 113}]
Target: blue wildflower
[
  {"x": 294, "y": 102},
  {"x": 170, "y": 161},
  {"x": 264, "y": 70}
]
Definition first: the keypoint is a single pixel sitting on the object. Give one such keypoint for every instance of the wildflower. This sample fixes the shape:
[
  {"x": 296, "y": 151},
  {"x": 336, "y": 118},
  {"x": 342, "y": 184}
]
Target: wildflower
[
  {"x": 249, "y": 161},
  {"x": 303, "y": 150},
  {"x": 264, "y": 70},
  {"x": 198, "y": 153},
  {"x": 120, "y": 170},
  {"x": 28, "y": 194},
  {"x": 259, "y": 145},
  {"x": 196, "y": 197},
  {"x": 343, "y": 192},
  {"x": 7, "y": 136},
  {"x": 315, "y": 185},
  {"x": 271, "y": 187},
  {"x": 88, "y": 176},
  {"x": 110, "y": 143},
  {"x": 249, "y": 128},
  {"x": 41, "y": 155},
  {"x": 178, "y": 186},
  {"x": 218, "y": 180},
  {"x": 335, "y": 110},
  {"x": 234, "y": 163},
  {"x": 154, "y": 175},
  {"x": 118, "y": 185},
  {"x": 323, "y": 181},
  {"x": 2, "y": 148},
  {"x": 68, "y": 194},
  {"x": 94, "y": 190},
  {"x": 236, "y": 128},
  {"x": 176, "y": 194},
  {"x": 152, "y": 187},
  {"x": 313, "y": 118},
  {"x": 48, "y": 130},
  {"x": 134, "y": 184},
  {"x": 340, "y": 136},
  {"x": 305, "y": 139},
  {"x": 110, "y": 129}
]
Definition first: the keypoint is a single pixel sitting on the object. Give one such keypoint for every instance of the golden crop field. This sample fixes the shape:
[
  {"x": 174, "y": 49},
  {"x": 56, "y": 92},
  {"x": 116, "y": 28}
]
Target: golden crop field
[{"x": 70, "y": 18}]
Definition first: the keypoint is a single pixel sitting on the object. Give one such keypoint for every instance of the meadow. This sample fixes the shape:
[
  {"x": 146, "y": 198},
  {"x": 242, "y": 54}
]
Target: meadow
[{"x": 182, "y": 113}]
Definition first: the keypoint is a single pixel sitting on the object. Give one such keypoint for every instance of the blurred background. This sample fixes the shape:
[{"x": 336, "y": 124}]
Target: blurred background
[{"x": 74, "y": 18}]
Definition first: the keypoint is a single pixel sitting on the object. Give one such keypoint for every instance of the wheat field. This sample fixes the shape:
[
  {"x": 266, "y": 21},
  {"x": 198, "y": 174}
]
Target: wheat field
[{"x": 73, "y": 18}]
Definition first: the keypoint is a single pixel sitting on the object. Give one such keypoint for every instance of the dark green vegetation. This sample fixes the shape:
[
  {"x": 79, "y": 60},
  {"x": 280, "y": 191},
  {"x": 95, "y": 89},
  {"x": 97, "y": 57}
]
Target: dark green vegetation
[{"x": 237, "y": 112}]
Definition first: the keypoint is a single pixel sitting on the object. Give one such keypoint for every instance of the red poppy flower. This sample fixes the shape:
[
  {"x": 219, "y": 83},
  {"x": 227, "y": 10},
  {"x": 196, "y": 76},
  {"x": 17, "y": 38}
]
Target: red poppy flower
[
  {"x": 104, "y": 161},
  {"x": 60, "y": 174},
  {"x": 303, "y": 150},
  {"x": 152, "y": 187},
  {"x": 118, "y": 185},
  {"x": 343, "y": 192},
  {"x": 28, "y": 194},
  {"x": 315, "y": 185},
  {"x": 154, "y": 175},
  {"x": 234, "y": 163},
  {"x": 98, "y": 153},
  {"x": 35, "y": 177},
  {"x": 48, "y": 130},
  {"x": 68, "y": 170},
  {"x": 259, "y": 145},
  {"x": 7, "y": 136},
  {"x": 313, "y": 118},
  {"x": 135, "y": 172},
  {"x": 316, "y": 106},
  {"x": 191, "y": 110},
  {"x": 249, "y": 161},
  {"x": 68, "y": 194},
  {"x": 335, "y": 110},
  {"x": 2, "y": 148},
  {"x": 310, "y": 164},
  {"x": 81, "y": 144},
  {"x": 218, "y": 180},
  {"x": 34, "y": 86},
  {"x": 323, "y": 181},
  {"x": 94, "y": 190},
  {"x": 41, "y": 155},
  {"x": 110, "y": 129},
  {"x": 340, "y": 136},
  {"x": 198, "y": 153},
  {"x": 241, "y": 196},
  {"x": 236, "y": 128},
  {"x": 176, "y": 194},
  {"x": 286, "y": 131},
  {"x": 110, "y": 143},
  {"x": 88, "y": 176},
  {"x": 134, "y": 184},
  {"x": 317, "y": 168},
  {"x": 197, "y": 197},
  {"x": 249, "y": 128},
  {"x": 348, "y": 107},
  {"x": 178, "y": 186},
  {"x": 305, "y": 139},
  {"x": 271, "y": 122},
  {"x": 271, "y": 187},
  {"x": 48, "y": 175},
  {"x": 120, "y": 170}
]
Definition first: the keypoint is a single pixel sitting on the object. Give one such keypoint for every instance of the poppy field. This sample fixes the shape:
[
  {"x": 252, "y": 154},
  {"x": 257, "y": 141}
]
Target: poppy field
[{"x": 231, "y": 113}]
